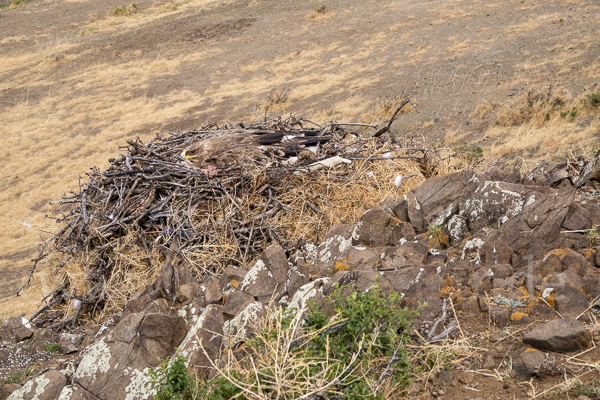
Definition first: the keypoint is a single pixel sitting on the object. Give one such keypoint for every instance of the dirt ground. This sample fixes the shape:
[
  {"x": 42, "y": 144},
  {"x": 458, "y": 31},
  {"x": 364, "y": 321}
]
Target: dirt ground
[{"x": 78, "y": 78}]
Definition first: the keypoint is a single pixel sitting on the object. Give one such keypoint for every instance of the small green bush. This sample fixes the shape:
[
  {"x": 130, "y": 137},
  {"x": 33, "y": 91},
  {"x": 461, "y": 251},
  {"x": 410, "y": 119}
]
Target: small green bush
[
  {"x": 51, "y": 347},
  {"x": 17, "y": 376},
  {"x": 171, "y": 380},
  {"x": 350, "y": 355},
  {"x": 592, "y": 100},
  {"x": 569, "y": 115}
]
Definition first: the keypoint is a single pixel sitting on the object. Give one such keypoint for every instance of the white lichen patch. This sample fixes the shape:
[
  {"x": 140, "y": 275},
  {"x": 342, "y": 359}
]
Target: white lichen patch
[
  {"x": 68, "y": 370},
  {"x": 547, "y": 292},
  {"x": 441, "y": 220},
  {"x": 66, "y": 393},
  {"x": 252, "y": 275},
  {"x": 235, "y": 330},
  {"x": 96, "y": 358},
  {"x": 138, "y": 386},
  {"x": 306, "y": 293},
  {"x": 530, "y": 200},
  {"x": 311, "y": 253},
  {"x": 456, "y": 227},
  {"x": 39, "y": 383},
  {"x": 476, "y": 243}
]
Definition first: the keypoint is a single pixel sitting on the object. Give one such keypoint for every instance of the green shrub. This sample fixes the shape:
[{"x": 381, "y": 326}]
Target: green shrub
[
  {"x": 171, "y": 380},
  {"x": 51, "y": 347},
  {"x": 592, "y": 100},
  {"x": 17, "y": 376},
  {"x": 352, "y": 355}
]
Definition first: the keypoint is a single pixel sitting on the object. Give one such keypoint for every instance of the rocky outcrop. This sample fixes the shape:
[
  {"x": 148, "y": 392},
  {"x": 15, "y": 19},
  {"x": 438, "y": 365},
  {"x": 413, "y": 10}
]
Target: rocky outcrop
[{"x": 501, "y": 246}]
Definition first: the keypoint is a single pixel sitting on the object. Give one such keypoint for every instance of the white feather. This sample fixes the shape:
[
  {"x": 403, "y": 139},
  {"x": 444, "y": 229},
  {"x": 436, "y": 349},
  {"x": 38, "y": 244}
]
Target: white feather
[{"x": 398, "y": 181}]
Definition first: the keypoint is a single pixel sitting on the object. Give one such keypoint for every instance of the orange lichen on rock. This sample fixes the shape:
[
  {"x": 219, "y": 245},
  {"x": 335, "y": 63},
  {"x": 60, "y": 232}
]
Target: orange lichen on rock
[{"x": 340, "y": 266}]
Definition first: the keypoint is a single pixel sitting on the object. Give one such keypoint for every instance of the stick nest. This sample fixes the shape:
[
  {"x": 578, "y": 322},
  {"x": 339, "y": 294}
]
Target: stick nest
[{"x": 115, "y": 232}]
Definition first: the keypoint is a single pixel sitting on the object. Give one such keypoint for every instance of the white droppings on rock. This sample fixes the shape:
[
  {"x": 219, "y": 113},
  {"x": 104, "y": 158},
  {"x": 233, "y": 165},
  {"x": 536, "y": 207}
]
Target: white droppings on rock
[
  {"x": 434, "y": 252},
  {"x": 25, "y": 323},
  {"x": 252, "y": 275},
  {"x": 359, "y": 248},
  {"x": 190, "y": 339},
  {"x": 490, "y": 272},
  {"x": 439, "y": 269},
  {"x": 138, "y": 386},
  {"x": 402, "y": 241},
  {"x": 96, "y": 358},
  {"x": 530, "y": 200},
  {"x": 417, "y": 205},
  {"x": 182, "y": 313}
]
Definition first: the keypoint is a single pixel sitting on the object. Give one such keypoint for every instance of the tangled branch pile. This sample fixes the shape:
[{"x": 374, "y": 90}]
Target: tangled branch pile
[{"x": 118, "y": 229}]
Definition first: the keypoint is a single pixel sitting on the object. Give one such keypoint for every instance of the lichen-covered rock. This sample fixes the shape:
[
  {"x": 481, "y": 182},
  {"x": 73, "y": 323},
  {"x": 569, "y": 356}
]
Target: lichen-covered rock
[
  {"x": 202, "y": 344},
  {"x": 244, "y": 324},
  {"x": 267, "y": 278},
  {"x": 236, "y": 302},
  {"x": 116, "y": 365},
  {"x": 374, "y": 228},
  {"x": 44, "y": 387},
  {"x": 76, "y": 392}
]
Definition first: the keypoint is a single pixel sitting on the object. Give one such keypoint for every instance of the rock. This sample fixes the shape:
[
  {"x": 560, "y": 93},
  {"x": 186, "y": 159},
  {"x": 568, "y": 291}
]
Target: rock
[
  {"x": 457, "y": 229},
  {"x": 520, "y": 317},
  {"x": 296, "y": 279},
  {"x": 488, "y": 362},
  {"x": 496, "y": 249},
  {"x": 66, "y": 348},
  {"x": 481, "y": 280},
  {"x": 407, "y": 254},
  {"x": 590, "y": 172},
  {"x": 72, "y": 338},
  {"x": 570, "y": 301},
  {"x": 500, "y": 315},
  {"x": 116, "y": 365},
  {"x": 22, "y": 333},
  {"x": 334, "y": 247},
  {"x": 527, "y": 362},
  {"x": 236, "y": 302},
  {"x": 186, "y": 293},
  {"x": 562, "y": 335},
  {"x": 436, "y": 195},
  {"x": 44, "y": 387},
  {"x": 501, "y": 271},
  {"x": 577, "y": 218},
  {"x": 213, "y": 293},
  {"x": 373, "y": 228},
  {"x": 202, "y": 344},
  {"x": 244, "y": 324},
  {"x": 15, "y": 329},
  {"x": 267, "y": 278},
  {"x": 469, "y": 305},
  {"x": 397, "y": 207},
  {"x": 76, "y": 392},
  {"x": 536, "y": 229},
  {"x": 232, "y": 275}
]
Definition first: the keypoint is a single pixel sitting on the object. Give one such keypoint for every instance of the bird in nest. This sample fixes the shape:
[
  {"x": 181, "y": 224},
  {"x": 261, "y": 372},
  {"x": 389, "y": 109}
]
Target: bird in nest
[{"x": 225, "y": 148}]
